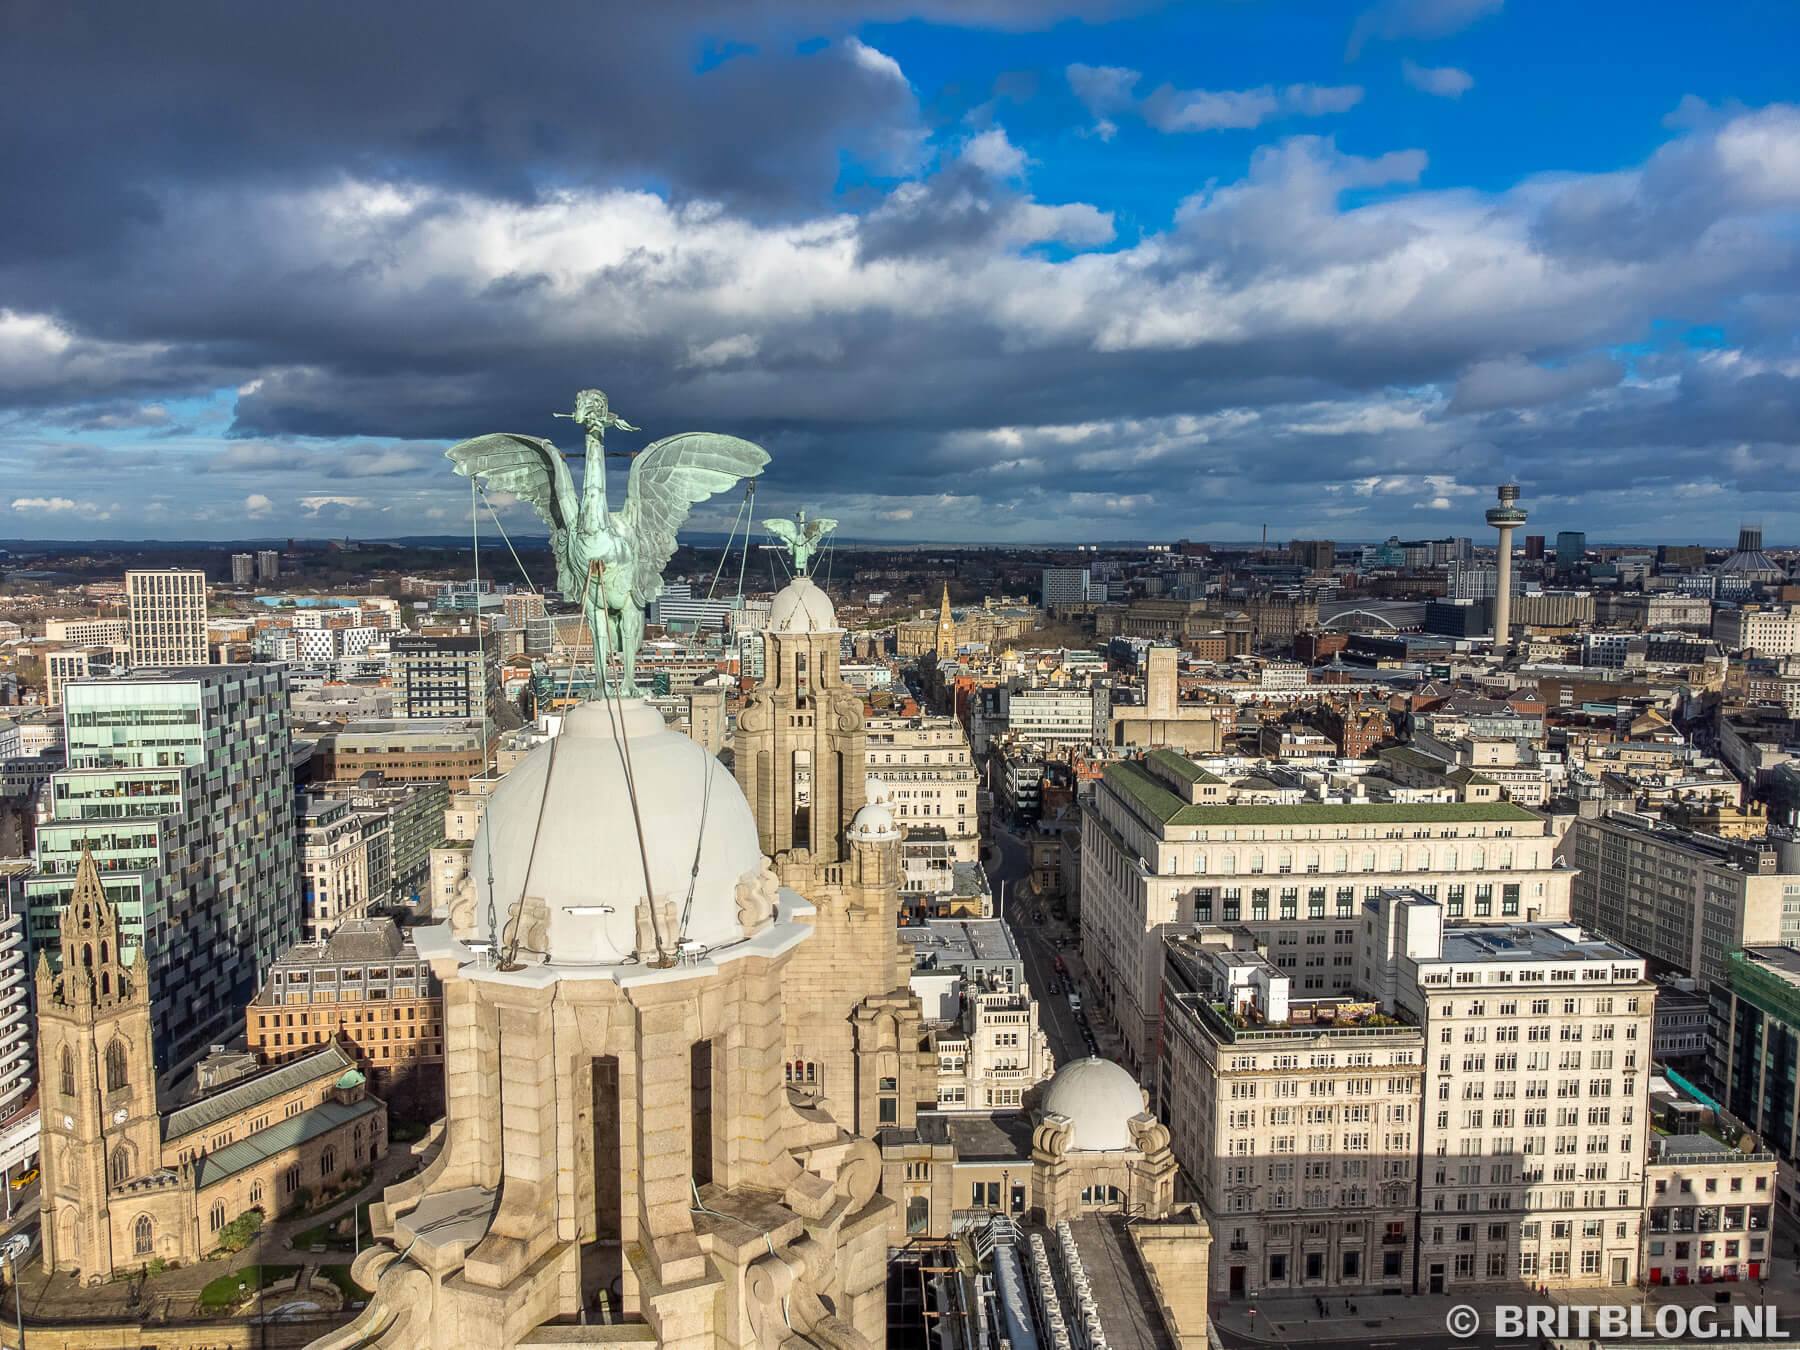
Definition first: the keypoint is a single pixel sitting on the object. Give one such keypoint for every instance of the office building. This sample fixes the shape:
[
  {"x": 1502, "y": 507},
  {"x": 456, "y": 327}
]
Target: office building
[
  {"x": 1534, "y": 548},
  {"x": 929, "y": 776},
  {"x": 168, "y": 617},
  {"x": 88, "y": 632},
  {"x": 243, "y": 569},
  {"x": 1064, "y": 586},
  {"x": 59, "y": 669},
  {"x": 449, "y": 752},
  {"x": 437, "y": 678},
  {"x": 1535, "y": 1113},
  {"x": 679, "y": 609},
  {"x": 1711, "y": 1212},
  {"x": 1315, "y": 555},
  {"x": 365, "y": 989},
  {"x": 978, "y": 1013},
  {"x": 1756, "y": 1029},
  {"x": 1682, "y": 898},
  {"x": 268, "y": 565},
  {"x": 1772, "y": 630},
  {"x": 1571, "y": 548},
  {"x": 334, "y": 866},
  {"x": 1295, "y": 1121},
  {"x": 18, "y": 1057},
  {"x": 1059, "y": 715},
  {"x": 1164, "y": 846},
  {"x": 179, "y": 782}
]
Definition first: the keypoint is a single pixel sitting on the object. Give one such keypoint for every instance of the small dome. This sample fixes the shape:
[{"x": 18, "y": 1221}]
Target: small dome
[
  {"x": 801, "y": 607},
  {"x": 876, "y": 819},
  {"x": 560, "y": 830},
  {"x": 1099, "y": 1098}
]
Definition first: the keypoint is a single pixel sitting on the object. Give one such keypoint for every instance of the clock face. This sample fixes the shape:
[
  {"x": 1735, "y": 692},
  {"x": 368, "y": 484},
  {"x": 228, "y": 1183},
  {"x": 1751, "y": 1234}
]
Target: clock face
[
  {"x": 119, "y": 1116},
  {"x": 68, "y": 1122}
]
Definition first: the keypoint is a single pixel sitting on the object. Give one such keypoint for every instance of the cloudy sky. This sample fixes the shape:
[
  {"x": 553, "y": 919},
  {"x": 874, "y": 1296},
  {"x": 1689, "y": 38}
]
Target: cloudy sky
[{"x": 1023, "y": 270}]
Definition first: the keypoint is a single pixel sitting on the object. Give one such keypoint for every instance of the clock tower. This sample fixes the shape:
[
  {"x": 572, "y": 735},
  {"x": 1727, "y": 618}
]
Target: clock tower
[{"x": 101, "y": 1134}]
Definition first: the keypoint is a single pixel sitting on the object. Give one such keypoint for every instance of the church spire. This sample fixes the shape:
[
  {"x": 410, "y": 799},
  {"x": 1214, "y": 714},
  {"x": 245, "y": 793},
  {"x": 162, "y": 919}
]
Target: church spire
[
  {"x": 946, "y": 629},
  {"x": 93, "y": 972}
]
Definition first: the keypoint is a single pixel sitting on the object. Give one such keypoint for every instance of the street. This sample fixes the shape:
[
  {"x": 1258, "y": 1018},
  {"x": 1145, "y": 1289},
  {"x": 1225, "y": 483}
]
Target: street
[{"x": 1037, "y": 946}]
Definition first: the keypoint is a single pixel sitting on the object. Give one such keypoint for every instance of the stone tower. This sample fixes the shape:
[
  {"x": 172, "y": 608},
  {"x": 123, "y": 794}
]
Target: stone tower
[
  {"x": 101, "y": 1135},
  {"x": 853, "y": 1024},
  {"x": 800, "y": 739},
  {"x": 946, "y": 632}
]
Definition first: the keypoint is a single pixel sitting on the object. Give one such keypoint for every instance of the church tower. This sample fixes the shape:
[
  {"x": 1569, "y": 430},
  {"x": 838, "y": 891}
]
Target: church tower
[
  {"x": 101, "y": 1141},
  {"x": 946, "y": 630}
]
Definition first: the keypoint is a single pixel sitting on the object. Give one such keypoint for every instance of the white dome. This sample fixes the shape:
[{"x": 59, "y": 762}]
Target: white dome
[
  {"x": 560, "y": 828},
  {"x": 876, "y": 819},
  {"x": 801, "y": 607},
  {"x": 1099, "y": 1098}
]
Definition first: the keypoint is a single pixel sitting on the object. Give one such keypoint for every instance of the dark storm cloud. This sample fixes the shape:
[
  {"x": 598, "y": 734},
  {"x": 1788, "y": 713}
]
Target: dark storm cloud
[{"x": 399, "y": 225}]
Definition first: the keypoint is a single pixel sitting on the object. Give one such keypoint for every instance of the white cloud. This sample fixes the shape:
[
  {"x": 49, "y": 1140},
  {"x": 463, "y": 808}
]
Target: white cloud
[
  {"x": 258, "y": 507},
  {"x": 994, "y": 154},
  {"x": 47, "y": 505},
  {"x": 1441, "y": 81},
  {"x": 314, "y": 505},
  {"x": 871, "y": 59}
]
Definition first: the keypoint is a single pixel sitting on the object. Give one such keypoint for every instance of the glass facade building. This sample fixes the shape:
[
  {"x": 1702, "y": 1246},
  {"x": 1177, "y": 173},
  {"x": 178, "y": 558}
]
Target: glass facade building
[{"x": 179, "y": 781}]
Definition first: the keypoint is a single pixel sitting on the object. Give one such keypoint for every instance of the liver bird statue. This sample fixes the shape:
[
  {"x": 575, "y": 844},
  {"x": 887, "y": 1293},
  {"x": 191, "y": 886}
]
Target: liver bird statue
[
  {"x": 802, "y": 537},
  {"x": 610, "y": 561}
]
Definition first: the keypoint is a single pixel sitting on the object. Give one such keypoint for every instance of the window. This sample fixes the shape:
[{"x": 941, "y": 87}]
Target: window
[
  {"x": 216, "y": 1217},
  {"x": 68, "y": 1072},
  {"x": 143, "y": 1234},
  {"x": 117, "y": 1071},
  {"x": 119, "y": 1168}
]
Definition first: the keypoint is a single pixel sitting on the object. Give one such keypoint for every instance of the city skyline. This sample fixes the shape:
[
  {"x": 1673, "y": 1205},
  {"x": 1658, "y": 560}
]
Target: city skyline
[{"x": 994, "y": 273}]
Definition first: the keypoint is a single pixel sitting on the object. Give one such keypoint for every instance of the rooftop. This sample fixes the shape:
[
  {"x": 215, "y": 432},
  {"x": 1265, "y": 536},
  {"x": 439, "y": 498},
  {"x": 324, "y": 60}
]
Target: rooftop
[
  {"x": 1155, "y": 801},
  {"x": 249, "y": 1092},
  {"x": 279, "y": 1137},
  {"x": 945, "y": 943},
  {"x": 1530, "y": 942}
]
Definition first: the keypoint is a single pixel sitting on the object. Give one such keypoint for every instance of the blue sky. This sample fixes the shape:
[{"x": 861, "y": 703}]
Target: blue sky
[{"x": 970, "y": 269}]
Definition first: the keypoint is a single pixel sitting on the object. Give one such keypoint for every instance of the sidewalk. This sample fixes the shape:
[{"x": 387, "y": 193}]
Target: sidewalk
[{"x": 1295, "y": 1316}]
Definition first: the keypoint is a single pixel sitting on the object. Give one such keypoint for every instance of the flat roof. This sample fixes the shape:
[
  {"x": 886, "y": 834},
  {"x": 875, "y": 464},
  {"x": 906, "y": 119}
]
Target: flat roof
[
  {"x": 949, "y": 942},
  {"x": 1530, "y": 942},
  {"x": 1163, "y": 806}
]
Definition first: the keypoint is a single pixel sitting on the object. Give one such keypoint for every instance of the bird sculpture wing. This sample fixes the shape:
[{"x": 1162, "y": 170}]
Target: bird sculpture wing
[
  {"x": 821, "y": 527},
  {"x": 534, "y": 471},
  {"x": 666, "y": 480},
  {"x": 783, "y": 530}
]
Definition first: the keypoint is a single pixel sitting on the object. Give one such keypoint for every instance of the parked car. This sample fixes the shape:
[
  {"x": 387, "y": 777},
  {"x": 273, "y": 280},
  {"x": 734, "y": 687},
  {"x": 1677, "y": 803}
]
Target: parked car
[{"x": 1074, "y": 1002}]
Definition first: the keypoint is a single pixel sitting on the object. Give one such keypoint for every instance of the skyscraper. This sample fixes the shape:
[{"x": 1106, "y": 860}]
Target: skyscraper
[
  {"x": 1571, "y": 547},
  {"x": 243, "y": 569},
  {"x": 1065, "y": 586},
  {"x": 168, "y": 617},
  {"x": 268, "y": 565},
  {"x": 179, "y": 782}
]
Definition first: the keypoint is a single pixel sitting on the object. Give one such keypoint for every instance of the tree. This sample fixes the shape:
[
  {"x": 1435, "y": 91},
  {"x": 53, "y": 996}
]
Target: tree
[{"x": 236, "y": 1235}]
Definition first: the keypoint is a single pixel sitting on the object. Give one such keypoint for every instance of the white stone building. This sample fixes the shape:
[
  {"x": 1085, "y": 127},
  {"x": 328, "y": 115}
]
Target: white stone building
[
  {"x": 168, "y": 617},
  {"x": 1160, "y": 855},
  {"x": 1535, "y": 1115},
  {"x": 925, "y": 765}
]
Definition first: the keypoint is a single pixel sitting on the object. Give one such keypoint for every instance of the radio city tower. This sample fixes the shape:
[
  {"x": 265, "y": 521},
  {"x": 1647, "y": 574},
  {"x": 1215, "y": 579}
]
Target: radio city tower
[{"x": 1506, "y": 518}]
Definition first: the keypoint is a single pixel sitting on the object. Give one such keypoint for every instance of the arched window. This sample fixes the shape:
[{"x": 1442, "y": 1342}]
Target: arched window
[
  {"x": 255, "y": 1194},
  {"x": 143, "y": 1233},
  {"x": 68, "y": 1072},
  {"x": 217, "y": 1216},
  {"x": 120, "y": 1166},
  {"x": 117, "y": 1070},
  {"x": 327, "y": 1163}
]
